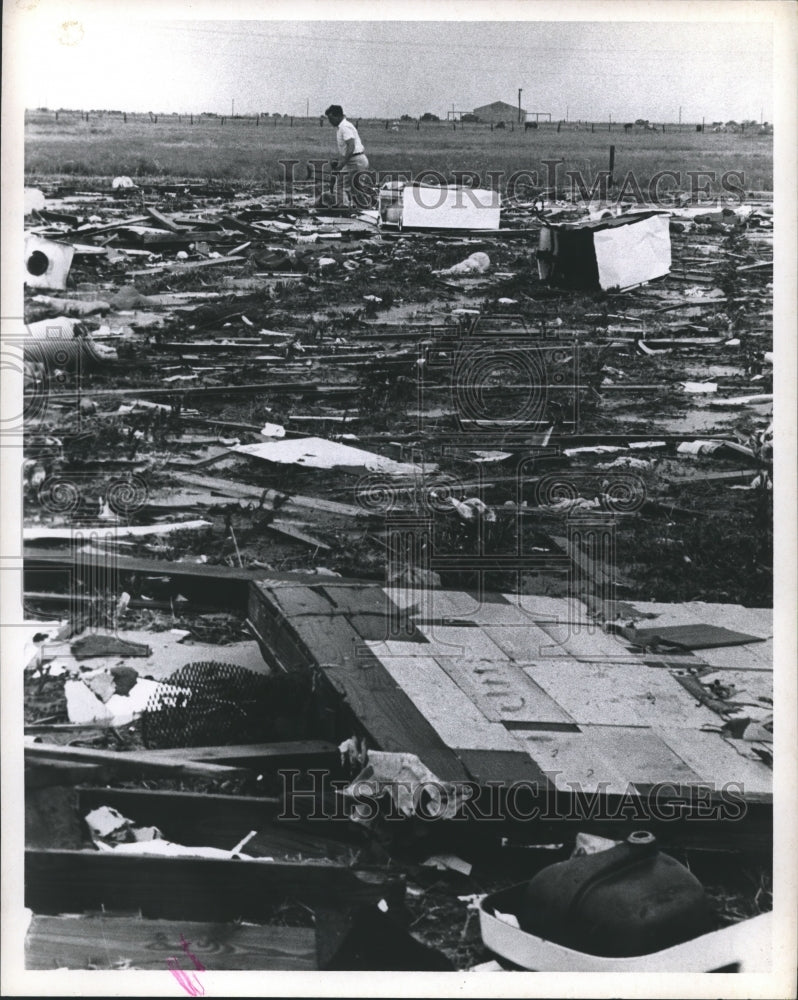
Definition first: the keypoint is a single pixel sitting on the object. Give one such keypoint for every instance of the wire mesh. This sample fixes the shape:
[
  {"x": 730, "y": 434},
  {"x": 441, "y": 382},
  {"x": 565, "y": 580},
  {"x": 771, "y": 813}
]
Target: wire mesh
[{"x": 216, "y": 704}]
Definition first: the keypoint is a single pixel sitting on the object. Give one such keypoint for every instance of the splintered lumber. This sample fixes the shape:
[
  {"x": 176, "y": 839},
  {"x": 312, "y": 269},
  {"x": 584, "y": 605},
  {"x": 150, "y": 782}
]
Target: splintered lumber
[
  {"x": 219, "y": 586},
  {"x": 243, "y": 490},
  {"x": 108, "y": 942},
  {"x": 166, "y": 222},
  {"x": 300, "y": 388},
  {"x": 597, "y": 572},
  {"x": 173, "y": 888},
  {"x": 131, "y": 761},
  {"x": 288, "y": 531}
]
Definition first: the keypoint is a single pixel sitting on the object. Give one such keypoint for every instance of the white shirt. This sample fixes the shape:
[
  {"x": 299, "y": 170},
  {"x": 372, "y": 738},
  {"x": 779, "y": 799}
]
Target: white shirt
[{"x": 346, "y": 130}]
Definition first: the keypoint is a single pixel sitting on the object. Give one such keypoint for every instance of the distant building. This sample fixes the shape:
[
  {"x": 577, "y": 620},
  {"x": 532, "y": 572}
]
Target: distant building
[{"x": 499, "y": 111}]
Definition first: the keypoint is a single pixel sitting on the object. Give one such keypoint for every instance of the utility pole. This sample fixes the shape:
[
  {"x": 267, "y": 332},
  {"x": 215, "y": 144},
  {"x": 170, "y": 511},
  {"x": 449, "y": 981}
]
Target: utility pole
[
  {"x": 567, "y": 109},
  {"x": 680, "y": 114},
  {"x": 233, "y": 108},
  {"x": 307, "y": 108},
  {"x": 520, "y": 91}
]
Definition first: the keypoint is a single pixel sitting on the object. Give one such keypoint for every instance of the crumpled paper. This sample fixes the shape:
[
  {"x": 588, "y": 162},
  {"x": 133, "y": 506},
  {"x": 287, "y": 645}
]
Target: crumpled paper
[{"x": 408, "y": 781}]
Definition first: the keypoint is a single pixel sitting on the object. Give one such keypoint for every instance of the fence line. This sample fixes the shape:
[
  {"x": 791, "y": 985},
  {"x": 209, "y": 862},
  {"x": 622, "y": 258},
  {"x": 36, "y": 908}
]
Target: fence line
[{"x": 68, "y": 116}]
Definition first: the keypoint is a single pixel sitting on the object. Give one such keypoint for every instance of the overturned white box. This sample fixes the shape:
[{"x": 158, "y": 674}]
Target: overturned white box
[
  {"x": 617, "y": 252},
  {"x": 404, "y": 205}
]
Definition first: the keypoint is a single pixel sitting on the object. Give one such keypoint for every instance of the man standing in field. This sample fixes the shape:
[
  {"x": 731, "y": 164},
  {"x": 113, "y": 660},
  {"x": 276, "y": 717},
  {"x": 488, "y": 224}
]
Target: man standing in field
[{"x": 353, "y": 162}]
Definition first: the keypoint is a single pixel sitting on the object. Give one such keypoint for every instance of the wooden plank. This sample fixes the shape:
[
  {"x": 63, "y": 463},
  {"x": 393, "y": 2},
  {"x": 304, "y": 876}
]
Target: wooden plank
[
  {"x": 502, "y": 691},
  {"x": 114, "y": 942},
  {"x": 369, "y": 692},
  {"x": 503, "y": 767},
  {"x": 367, "y": 600},
  {"x": 450, "y": 712},
  {"x": 601, "y": 574},
  {"x": 287, "y": 530},
  {"x": 165, "y": 221},
  {"x": 222, "y": 820},
  {"x": 231, "y": 488},
  {"x": 195, "y": 888},
  {"x": 619, "y": 694},
  {"x": 130, "y": 762},
  {"x": 293, "y": 601},
  {"x": 698, "y": 636},
  {"x": 276, "y": 754},
  {"x": 46, "y": 773},
  {"x": 198, "y": 577}
]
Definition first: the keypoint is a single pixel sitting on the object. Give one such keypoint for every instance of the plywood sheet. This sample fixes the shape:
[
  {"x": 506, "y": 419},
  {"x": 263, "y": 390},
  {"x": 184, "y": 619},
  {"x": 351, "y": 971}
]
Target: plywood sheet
[
  {"x": 523, "y": 642},
  {"x": 502, "y": 691},
  {"x": 452, "y": 640},
  {"x": 587, "y": 642},
  {"x": 567, "y": 759},
  {"x": 619, "y": 694},
  {"x": 617, "y": 756},
  {"x": 640, "y": 754},
  {"x": 450, "y": 712},
  {"x": 718, "y": 761},
  {"x": 554, "y": 609}
]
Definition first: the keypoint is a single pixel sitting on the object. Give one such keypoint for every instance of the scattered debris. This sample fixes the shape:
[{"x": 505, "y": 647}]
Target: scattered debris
[{"x": 329, "y": 594}]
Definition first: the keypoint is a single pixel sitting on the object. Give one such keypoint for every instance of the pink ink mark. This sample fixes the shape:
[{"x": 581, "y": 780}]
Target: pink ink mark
[
  {"x": 197, "y": 964},
  {"x": 188, "y": 980}
]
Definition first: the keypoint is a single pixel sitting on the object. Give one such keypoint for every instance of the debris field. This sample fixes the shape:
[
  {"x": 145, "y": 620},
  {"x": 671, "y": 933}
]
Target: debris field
[{"x": 319, "y": 514}]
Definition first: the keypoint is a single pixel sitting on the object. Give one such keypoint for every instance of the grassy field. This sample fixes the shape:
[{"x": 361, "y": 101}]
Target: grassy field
[{"x": 238, "y": 150}]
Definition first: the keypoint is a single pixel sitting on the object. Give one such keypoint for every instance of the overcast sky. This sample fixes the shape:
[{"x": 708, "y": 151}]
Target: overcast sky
[{"x": 388, "y": 68}]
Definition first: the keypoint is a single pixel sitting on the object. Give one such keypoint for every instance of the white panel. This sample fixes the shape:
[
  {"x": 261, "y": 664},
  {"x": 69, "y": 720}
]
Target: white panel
[
  {"x": 628, "y": 255},
  {"x": 450, "y": 207}
]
